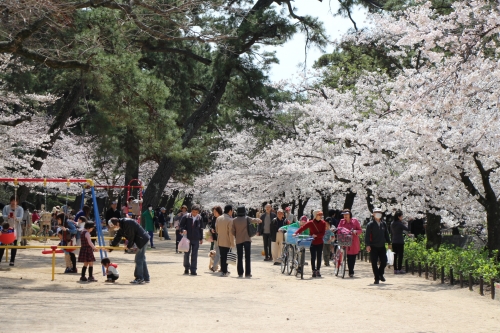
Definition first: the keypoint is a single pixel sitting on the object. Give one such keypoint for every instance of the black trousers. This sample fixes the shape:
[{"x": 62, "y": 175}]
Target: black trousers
[
  {"x": 316, "y": 254},
  {"x": 72, "y": 256},
  {"x": 351, "y": 261},
  {"x": 239, "y": 252},
  {"x": 223, "y": 258},
  {"x": 376, "y": 254},
  {"x": 398, "y": 250},
  {"x": 112, "y": 277},
  {"x": 13, "y": 252},
  {"x": 267, "y": 244}
]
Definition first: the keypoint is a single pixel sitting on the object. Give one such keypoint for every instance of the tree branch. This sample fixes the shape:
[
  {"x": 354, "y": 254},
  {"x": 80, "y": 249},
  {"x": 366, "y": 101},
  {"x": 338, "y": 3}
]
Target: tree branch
[
  {"x": 162, "y": 48},
  {"x": 15, "y": 122}
]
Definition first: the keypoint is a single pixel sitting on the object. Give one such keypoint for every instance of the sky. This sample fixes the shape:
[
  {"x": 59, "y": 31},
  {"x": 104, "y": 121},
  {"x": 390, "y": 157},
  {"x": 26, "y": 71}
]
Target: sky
[{"x": 292, "y": 54}]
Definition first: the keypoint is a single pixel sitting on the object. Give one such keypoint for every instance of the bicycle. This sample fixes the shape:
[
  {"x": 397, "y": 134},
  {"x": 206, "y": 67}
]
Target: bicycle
[
  {"x": 302, "y": 243},
  {"x": 284, "y": 257},
  {"x": 340, "y": 259}
]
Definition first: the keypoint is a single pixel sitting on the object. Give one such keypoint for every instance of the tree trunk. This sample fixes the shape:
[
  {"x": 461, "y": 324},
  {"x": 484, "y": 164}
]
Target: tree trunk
[
  {"x": 493, "y": 225},
  {"x": 302, "y": 206},
  {"x": 325, "y": 203},
  {"x": 294, "y": 205},
  {"x": 224, "y": 64},
  {"x": 349, "y": 199},
  {"x": 433, "y": 231},
  {"x": 369, "y": 200},
  {"x": 171, "y": 200},
  {"x": 188, "y": 201},
  {"x": 131, "y": 146}
]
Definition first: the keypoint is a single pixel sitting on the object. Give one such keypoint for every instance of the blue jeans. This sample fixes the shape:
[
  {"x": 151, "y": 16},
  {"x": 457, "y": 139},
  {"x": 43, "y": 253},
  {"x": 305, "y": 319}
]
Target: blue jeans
[
  {"x": 193, "y": 251},
  {"x": 141, "y": 267},
  {"x": 151, "y": 234}
]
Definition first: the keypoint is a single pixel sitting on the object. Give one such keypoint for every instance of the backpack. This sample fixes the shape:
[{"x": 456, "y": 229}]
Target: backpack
[{"x": 252, "y": 228}]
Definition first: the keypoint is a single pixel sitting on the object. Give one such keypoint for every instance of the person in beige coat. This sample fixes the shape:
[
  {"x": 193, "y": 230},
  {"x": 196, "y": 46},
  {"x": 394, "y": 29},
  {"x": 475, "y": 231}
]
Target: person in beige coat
[
  {"x": 243, "y": 240},
  {"x": 225, "y": 238}
]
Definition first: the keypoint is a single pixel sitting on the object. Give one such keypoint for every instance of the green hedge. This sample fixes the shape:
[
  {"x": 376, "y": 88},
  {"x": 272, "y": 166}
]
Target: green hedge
[{"x": 461, "y": 260}]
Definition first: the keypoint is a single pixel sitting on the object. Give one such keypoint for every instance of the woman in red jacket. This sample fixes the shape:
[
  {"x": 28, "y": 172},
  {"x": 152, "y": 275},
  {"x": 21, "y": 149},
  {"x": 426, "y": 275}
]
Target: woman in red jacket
[
  {"x": 353, "y": 225},
  {"x": 317, "y": 229}
]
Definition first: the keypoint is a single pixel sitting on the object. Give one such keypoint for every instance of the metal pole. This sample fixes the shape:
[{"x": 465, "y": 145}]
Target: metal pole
[
  {"x": 470, "y": 281},
  {"x": 53, "y": 262},
  {"x": 481, "y": 286},
  {"x": 419, "y": 269},
  {"x": 434, "y": 273},
  {"x": 426, "y": 271},
  {"x": 100, "y": 239}
]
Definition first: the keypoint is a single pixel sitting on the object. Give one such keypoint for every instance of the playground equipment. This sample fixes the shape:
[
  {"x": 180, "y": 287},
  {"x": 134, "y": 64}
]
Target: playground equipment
[
  {"x": 54, "y": 249},
  {"x": 129, "y": 188},
  {"x": 89, "y": 182}
]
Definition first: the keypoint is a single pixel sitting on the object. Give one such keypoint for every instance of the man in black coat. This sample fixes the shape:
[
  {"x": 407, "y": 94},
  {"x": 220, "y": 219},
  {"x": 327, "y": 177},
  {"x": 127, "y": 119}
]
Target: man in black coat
[
  {"x": 135, "y": 234},
  {"x": 376, "y": 236},
  {"x": 192, "y": 227},
  {"x": 110, "y": 213}
]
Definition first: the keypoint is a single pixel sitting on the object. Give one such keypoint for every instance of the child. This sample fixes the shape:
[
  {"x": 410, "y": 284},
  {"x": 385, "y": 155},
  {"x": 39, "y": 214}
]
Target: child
[
  {"x": 68, "y": 231},
  {"x": 86, "y": 254},
  {"x": 111, "y": 271},
  {"x": 6, "y": 229},
  {"x": 327, "y": 241}
]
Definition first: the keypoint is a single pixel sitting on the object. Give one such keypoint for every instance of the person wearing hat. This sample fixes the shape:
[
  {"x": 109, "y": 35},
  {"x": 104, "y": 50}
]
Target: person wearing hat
[
  {"x": 110, "y": 213},
  {"x": 353, "y": 225},
  {"x": 317, "y": 228},
  {"x": 376, "y": 237},
  {"x": 243, "y": 240}
]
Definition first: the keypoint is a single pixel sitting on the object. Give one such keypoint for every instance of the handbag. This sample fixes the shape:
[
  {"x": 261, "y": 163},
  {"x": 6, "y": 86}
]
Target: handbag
[
  {"x": 231, "y": 258},
  {"x": 252, "y": 228},
  {"x": 184, "y": 244}
]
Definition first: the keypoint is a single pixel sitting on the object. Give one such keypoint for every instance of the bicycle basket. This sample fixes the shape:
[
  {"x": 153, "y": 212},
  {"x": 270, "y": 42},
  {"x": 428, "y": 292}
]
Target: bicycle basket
[
  {"x": 304, "y": 242},
  {"x": 344, "y": 240}
]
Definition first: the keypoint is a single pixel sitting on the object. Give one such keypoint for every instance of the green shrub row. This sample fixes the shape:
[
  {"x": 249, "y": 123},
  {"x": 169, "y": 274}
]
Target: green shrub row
[{"x": 461, "y": 260}]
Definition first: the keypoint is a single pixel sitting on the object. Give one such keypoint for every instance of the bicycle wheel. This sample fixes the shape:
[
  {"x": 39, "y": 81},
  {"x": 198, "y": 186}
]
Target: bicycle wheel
[
  {"x": 291, "y": 261},
  {"x": 337, "y": 260},
  {"x": 284, "y": 259},
  {"x": 302, "y": 261},
  {"x": 344, "y": 261}
]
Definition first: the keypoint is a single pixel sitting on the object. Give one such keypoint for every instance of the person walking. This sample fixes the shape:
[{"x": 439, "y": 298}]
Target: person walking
[
  {"x": 147, "y": 222},
  {"x": 265, "y": 230},
  {"x": 277, "y": 237},
  {"x": 177, "y": 221},
  {"x": 191, "y": 226},
  {"x": 225, "y": 237},
  {"x": 354, "y": 227},
  {"x": 216, "y": 212},
  {"x": 317, "y": 229},
  {"x": 398, "y": 241},
  {"x": 289, "y": 216},
  {"x": 376, "y": 237},
  {"x": 243, "y": 240},
  {"x": 163, "y": 219},
  {"x": 135, "y": 234}
]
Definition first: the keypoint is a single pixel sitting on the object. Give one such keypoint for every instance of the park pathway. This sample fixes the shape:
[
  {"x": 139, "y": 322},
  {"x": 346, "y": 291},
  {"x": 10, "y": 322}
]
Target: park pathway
[{"x": 269, "y": 302}]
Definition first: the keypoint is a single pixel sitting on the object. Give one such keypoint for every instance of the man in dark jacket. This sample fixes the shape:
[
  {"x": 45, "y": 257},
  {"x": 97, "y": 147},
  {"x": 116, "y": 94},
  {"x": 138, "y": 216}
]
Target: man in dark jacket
[
  {"x": 110, "y": 213},
  {"x": 375, "y": 238},
  {"x": 135, "y": 234},
  {"x": 192, "y": 226},
  {"x": 265, "y": 230},
  {"x": 277, "y": 237},
  {"x": 162, "y": 219}
]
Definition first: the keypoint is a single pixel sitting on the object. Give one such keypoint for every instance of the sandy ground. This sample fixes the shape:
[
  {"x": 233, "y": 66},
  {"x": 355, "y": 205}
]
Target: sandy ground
[{"x": 267, "y": 302}]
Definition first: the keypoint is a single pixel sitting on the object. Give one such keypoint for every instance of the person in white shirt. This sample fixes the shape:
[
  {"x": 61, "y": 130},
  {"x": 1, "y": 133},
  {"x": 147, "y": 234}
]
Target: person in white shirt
[{"x": 13, "y": 214}]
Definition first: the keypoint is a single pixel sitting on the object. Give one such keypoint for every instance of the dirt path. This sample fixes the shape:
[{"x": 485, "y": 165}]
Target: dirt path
[{"x": 268, "y": 302}]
